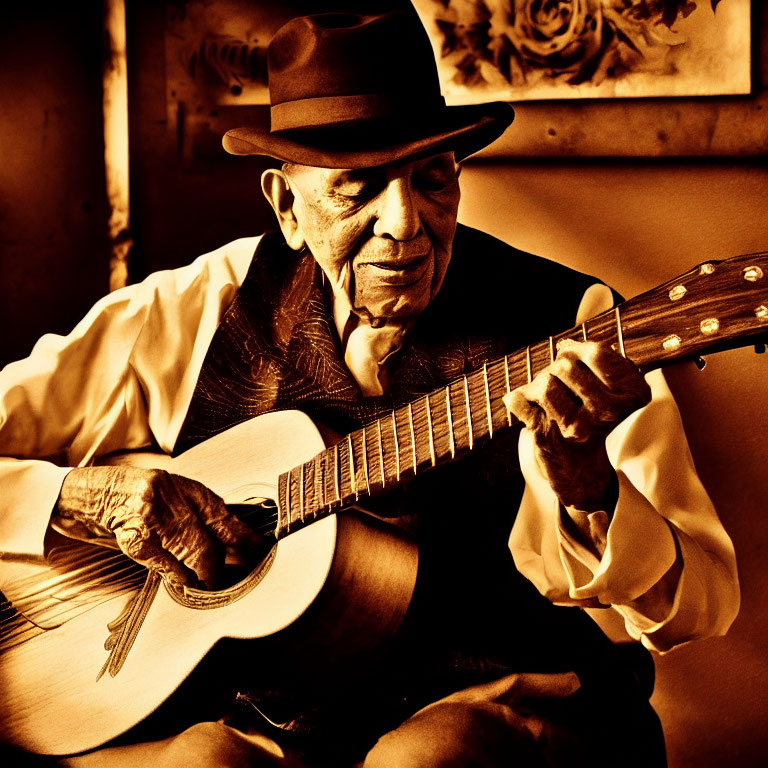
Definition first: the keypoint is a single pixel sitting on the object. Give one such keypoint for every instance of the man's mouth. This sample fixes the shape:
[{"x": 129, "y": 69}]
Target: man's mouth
[{"x": 400, "y": 272}]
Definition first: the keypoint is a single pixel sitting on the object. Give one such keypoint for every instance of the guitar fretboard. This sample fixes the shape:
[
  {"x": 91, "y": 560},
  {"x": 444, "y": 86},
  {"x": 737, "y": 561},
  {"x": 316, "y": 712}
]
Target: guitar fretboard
[
  {"x": 429, "y": 431},
  {"x": 716, "y": 305}
]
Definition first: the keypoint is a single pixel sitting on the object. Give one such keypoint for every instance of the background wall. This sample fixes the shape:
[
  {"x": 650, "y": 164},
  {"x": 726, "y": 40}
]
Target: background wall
[
  {"x": 634, "y": 223},
  {"x": 54, "y": 260}
]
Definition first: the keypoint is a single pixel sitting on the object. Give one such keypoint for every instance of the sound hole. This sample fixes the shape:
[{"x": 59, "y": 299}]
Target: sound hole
[{"x": 260, "y": 515}]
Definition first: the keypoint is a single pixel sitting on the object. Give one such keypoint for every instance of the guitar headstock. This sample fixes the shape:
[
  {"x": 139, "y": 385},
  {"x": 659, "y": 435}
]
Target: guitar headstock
[{"x": 716, "y": 305}]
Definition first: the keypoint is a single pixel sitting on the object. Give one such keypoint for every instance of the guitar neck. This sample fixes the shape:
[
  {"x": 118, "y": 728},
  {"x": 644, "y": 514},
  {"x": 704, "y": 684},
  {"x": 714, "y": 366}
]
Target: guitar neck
[{"x": 715, "y": 306}]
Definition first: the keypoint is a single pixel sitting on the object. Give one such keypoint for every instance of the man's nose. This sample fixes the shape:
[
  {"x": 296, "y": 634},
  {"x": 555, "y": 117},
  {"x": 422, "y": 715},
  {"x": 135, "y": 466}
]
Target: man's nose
[{"x": 398, "y": 213}]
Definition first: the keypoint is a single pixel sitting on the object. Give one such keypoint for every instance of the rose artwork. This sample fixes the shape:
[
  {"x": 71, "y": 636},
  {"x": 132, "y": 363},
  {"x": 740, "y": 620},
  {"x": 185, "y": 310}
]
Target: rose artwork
[
  {"x": 494, "y": 43},
  {"x": 560, "y": 35}
]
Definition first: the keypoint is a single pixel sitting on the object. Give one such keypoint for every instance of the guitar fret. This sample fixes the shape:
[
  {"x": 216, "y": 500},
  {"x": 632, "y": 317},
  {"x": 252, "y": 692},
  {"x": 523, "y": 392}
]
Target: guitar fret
[
  {"x": 619, "y": 331},
  {"x": 320, "y": 478},
  {"x": 487, "y": 400},
  {"x": 365, "y": 462},
  {"x": 584, "y": 331},
  {"x": 451, "y": 437},
  {"x": 352, "y": 472},
  {"x": 397, "y": 446},
  {"x": 431, "y": 432},
  {"x": 528, "y": 366},
  {"x": 336, "y": 472},
  {"x": 381, "y": 457},
  {"x": 288, "y": 502},
  {"x": 469, "y": 412},
  {"x": 509, "y": 388},
  {"x": 301, "y": 493},
  {"x": 413, "y": 436},
  {"x": 312, "y": 501},
  {"x": 314, "y": 491},
  {"x": 552, "y": 353}
]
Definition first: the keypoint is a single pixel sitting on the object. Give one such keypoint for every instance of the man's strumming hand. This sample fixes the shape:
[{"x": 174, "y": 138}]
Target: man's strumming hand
[{"x": 169, "y": 523}]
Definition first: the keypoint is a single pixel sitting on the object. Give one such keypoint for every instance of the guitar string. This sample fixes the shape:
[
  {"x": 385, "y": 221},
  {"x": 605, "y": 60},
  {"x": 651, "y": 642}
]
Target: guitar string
[
  {"x": 49, "y": 592},
  {"x": 61, "y": 576},
  {"x": 56, "y": 588},
  {"x": 51, "y": 587},
  {"x": 50, "y": 609},
  {"x": 54, "y": 591},
  {"x": 45, "y": 614},
  {"x": 22, "y": 626},
  {"x": 92, "y": 568}
]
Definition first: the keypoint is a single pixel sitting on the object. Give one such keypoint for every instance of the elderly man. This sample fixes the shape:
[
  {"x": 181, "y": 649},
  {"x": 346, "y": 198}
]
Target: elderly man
[{"x": 369, "y": 297}]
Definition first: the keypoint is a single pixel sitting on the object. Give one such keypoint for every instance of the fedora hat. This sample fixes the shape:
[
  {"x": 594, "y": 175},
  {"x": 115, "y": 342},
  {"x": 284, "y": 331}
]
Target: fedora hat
[{"x": 350, "y": 91}]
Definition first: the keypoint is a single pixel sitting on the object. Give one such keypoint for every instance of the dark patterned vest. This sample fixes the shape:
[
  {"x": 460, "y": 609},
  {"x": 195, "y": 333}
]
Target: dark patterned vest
[{"x": 277, "y": 347}]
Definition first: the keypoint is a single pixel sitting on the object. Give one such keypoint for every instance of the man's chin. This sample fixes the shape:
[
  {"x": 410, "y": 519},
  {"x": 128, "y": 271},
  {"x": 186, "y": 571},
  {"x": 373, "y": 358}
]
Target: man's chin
[
  {"x": 393, "y": 309},
  {"x": 395, "y": 303}
]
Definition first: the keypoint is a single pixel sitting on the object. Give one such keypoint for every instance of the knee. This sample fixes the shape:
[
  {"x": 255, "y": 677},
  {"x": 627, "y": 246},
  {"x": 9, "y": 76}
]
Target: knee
[
  {"x": 453, "y": 735},
  {"x": 209, "y": 744}
]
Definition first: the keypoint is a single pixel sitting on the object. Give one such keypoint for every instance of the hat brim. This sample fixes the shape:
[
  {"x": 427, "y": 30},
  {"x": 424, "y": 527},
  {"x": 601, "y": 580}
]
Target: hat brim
[{"x": 463, "y": 129}]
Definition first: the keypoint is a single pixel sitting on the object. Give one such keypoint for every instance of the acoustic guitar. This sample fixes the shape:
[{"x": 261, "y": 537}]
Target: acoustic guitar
[{"x": 90, "y": 644}]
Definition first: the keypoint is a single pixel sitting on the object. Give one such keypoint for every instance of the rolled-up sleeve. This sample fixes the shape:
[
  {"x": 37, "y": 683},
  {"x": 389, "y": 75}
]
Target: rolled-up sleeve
[{"x": 663, "y": 517}]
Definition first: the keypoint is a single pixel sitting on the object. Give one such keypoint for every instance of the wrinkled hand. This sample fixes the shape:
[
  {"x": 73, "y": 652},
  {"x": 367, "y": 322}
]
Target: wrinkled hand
[
  {"x": 171, "y": 524},
  {"x": 570, "y": 407},
  {"x": 516, "y": 688},
  {"x": 499, "y": 713}
]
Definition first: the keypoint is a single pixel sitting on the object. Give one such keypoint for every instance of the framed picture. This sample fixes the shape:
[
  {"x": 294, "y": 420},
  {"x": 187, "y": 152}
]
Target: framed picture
[
  {"x": 518, "y": 50},
  {"x": 616, "y": 78}
]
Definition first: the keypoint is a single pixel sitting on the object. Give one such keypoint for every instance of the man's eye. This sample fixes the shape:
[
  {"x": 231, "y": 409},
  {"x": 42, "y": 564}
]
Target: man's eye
[
  {"x": 363, "y": 188},
  {"x": 354, "y": 189},
  {"x": 434, "y": 179}
]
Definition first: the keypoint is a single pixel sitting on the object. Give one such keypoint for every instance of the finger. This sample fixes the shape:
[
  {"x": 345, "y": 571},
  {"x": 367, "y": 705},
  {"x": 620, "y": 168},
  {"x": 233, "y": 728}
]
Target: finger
[
  {"x": 174, "y": 572},
  {"x": 228, "y": 528},
  {"x": 536, "y": 685},
  {"x": 221, "y": 525},
  {"x": 511, "y": 688},
  {"x": 611, "y": 367},
  {"x": 526, "y": 410},
  {"x": 183, "y": 535},
  {"x": 598, "y": 403},
  {"x": 547, "y": 405},
  {"x": 550, "y": 410},
  {"x": 145, "y": 548},
  {"x": 618, "y": 387},
  {"x": 559, "y": 403}
]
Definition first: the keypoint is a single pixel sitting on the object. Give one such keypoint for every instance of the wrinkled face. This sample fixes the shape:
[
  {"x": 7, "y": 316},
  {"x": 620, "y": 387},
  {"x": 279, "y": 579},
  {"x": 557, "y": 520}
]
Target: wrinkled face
[{"x": 385, "y": 233}]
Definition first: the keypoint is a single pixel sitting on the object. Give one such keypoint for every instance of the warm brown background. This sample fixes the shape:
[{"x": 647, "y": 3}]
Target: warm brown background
[{"x": 634, "y": 222}]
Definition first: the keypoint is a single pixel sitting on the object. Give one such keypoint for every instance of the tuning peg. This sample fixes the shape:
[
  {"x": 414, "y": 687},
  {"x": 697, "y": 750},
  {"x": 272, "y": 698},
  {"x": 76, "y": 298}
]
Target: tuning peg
[{"x": 700, "y": 363}]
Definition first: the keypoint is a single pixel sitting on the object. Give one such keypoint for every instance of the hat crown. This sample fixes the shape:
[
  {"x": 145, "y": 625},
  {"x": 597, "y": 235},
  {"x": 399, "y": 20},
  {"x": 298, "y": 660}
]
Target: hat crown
[
  {"x": 353, "y": 91},
  {"x": 344, "y": 54}
]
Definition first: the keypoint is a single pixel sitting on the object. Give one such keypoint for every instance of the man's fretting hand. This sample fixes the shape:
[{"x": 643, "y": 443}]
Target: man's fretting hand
[
  {"x": 570, "y": 407},
  {"x": 171, "y": 524}
]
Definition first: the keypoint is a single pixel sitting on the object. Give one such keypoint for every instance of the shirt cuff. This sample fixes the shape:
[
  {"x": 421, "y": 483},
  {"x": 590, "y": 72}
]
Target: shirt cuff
[
  {"x": 30, "y": 492},
  {"x": 640, "y": 549}
]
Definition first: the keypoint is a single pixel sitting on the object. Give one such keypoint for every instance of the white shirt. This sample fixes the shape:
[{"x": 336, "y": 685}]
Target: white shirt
[{"x": 124, "y": 377}]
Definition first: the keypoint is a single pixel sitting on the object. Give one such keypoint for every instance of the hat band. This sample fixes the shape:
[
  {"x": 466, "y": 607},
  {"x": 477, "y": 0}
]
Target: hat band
[{"x": 328, "y": 111}]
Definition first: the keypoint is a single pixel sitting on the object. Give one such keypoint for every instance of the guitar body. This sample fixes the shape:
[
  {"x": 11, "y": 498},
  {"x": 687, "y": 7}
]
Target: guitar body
[{"x": 356, "y": 573}]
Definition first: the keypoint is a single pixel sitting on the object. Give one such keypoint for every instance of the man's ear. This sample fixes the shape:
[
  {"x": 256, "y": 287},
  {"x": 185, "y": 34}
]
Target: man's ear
[{"x": 276, "y": 189}]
